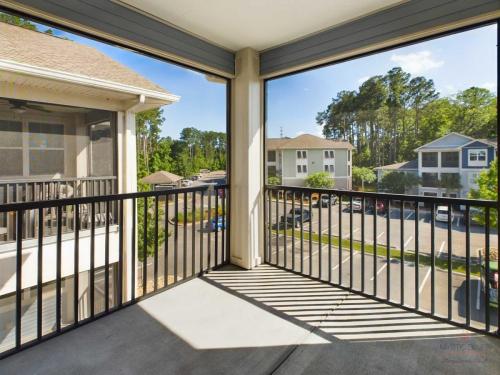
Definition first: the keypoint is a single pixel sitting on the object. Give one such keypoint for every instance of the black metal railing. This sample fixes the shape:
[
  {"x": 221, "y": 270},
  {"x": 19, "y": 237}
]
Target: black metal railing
[
  {"x": 29, "y": 190},
  {"x": 155, "y": 241},
  {"x": 434, "y": 256}
]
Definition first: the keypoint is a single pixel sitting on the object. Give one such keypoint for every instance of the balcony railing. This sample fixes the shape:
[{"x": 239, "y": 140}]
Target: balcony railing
[
  {"x": 156, "y": 240},
  {"x": 434, "y": 256},
  {"x": 17, "y": 191}
]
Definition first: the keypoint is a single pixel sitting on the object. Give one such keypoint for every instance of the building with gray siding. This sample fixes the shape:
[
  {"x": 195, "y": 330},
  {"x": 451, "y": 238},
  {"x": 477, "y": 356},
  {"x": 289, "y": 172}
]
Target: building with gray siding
[{"x": 293, "y": 159}]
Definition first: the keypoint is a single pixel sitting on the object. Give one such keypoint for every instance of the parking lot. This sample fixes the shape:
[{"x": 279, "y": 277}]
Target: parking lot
[
  {"x": 336, "y": 267},
  {"x": 399, "y": 233}
]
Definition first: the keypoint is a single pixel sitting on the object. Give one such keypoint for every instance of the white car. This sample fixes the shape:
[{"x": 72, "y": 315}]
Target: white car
[{"x": 442, "y": 214}]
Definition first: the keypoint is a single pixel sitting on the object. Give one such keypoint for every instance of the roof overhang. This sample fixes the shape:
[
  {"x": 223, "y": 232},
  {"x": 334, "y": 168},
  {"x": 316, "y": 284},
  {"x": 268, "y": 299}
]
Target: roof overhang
[{"x": 21, "y": 81}]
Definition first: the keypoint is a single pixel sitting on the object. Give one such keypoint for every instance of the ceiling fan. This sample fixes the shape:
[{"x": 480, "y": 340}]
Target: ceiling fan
[{"x": 20, "y": 106}]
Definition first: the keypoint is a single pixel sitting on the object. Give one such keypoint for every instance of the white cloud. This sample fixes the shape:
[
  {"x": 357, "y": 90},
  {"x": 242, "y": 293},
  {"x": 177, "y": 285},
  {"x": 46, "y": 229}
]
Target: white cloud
[
  {"x": 418, "y": 62},
  {"x": 492, "y": 86},
  {"x": 363, "y": 79}
]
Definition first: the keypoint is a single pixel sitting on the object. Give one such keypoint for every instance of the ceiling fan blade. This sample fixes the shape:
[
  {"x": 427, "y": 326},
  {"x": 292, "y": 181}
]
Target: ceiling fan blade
[{"x": 37, "y": 108}]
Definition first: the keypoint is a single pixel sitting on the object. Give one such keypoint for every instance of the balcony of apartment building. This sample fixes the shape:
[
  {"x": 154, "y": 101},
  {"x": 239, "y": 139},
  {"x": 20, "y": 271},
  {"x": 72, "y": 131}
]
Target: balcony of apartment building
[{"x": 242, "y": 277}]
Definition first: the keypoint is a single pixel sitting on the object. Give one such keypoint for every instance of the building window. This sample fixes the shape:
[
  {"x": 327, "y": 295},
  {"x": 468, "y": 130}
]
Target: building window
[
  {"x": 301, "y": 154},
  {"x": 301, "y": 169},
  {"x": 301, "y": 162},
  {"x": 329, "y": 168},
  {"x": 271, "y": 156},
  {"x": 429, "y": 194},
  {"x": 102, "y": 149},
  {"x": 449, "y": 159},
  {"x": 477, "y": 158},
  {"x": 429, "y": 159},
  {"x": 329, "y": 154},
  {"x": 46, "y": 149},
  {"x": 349, "y": 170},
  {"x": 348, "y": 155},
  {"x": 11, "y": 148},
  {"x": 430, "y": 180}
]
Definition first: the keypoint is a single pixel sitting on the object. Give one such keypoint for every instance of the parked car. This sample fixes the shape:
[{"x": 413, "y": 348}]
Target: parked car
[
  {"x": 370, "y": 208},
  {"x": 492, "y": 279},
  {"x": 357, "y": 205},
  {"x": 326, "y": 201},
  {"x": 217, "y": 225},
  {"x": 186, "y": 183},
  {"x": 442, "y": 214},
  {"x": 297, "y": 215}
]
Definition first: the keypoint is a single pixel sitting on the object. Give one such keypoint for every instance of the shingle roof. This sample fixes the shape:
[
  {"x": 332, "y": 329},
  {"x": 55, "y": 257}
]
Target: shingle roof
[
  {"x": 45, "y": 51},
  {"x": 305, "y": 141},
  {"x": 161, "y": 178},
  {"x": 405, "y": 165}
]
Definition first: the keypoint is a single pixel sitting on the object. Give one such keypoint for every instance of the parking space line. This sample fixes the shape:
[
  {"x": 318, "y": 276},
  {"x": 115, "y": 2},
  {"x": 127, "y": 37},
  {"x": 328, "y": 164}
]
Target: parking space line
[
  {"x": 380, "y": 235},
  {"x": 407, "y": 242},
  {"x": 407, "y": 217},
  {"x": 441, "y": 248},
  {"x": 345, "y": 260},
  {"x": 326, "y": 229},
  {"x": 424, "y": 281},
  {"x": 380, "y": 270}
]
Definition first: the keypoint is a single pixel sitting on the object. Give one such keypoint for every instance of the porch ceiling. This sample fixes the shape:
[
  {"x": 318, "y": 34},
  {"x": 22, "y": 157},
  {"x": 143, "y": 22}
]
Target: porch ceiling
[
  {"x": 259, "y": 322},
  {"x": 260, "y": 24}
]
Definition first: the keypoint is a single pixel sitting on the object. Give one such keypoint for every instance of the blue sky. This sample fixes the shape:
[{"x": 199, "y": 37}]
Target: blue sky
[
  {"x": 202, "y": 104},
  {"x": 454, "y": 62}
]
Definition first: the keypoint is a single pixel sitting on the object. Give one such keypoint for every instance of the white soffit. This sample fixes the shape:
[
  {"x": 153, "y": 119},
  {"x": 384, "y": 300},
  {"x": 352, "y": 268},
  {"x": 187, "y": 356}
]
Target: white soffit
[{"x": 260, "y": 24}]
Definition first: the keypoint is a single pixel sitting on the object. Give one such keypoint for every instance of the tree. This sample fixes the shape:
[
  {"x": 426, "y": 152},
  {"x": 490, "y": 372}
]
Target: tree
[
  {"x": 21, "y": 22},
  {"x": 476, "y": 113},
  {"x": 390, "y": 115},
  {"x": 487, "y": 182},
  {"x": 360, "y": 175},
  {"x": 421, "y": 92},
  {"x": 150, "y": 229},
  {"x": 320, "y": 180},
  {"x": 273, "y": 180},
  {"x": 398, "y": 182},
  {"x": 148, "y": 128}
]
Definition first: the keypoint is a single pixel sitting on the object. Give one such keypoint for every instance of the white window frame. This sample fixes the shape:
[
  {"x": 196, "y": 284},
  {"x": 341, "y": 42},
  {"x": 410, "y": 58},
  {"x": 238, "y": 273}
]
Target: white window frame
[
  {"x": 301, "y": 163},
  {"x": 329, "y": 168},
  {"x": 329, "y": 161},
  {"x": 330, "y": 154},
  {"x": 476, "y": 152}
]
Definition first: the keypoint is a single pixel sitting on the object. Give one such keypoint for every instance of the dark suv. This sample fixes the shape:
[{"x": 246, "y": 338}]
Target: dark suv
[{"x": 300, "y": 216}]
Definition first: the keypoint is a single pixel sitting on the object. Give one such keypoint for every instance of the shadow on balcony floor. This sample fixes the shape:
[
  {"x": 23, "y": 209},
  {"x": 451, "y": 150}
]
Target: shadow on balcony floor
[{"x": 260, "y": 322}]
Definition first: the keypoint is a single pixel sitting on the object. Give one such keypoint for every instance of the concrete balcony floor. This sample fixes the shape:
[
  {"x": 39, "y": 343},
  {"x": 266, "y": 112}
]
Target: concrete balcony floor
[{"x": 260, "y": 322}]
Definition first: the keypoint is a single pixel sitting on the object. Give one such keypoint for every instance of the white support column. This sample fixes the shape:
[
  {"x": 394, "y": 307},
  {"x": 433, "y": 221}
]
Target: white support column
[
  {"x": 246, "y": 238},
  {"x": 127, "y": 183}
]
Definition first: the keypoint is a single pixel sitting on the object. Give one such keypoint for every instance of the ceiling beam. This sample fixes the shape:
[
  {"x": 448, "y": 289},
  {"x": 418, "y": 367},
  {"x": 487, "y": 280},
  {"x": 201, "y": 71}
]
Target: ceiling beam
[{"x": 407, "y": 21}]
